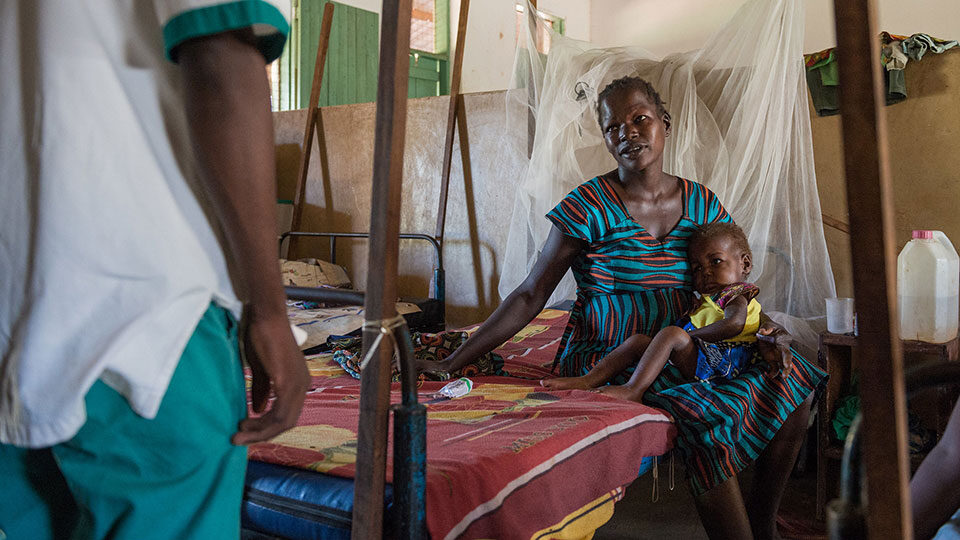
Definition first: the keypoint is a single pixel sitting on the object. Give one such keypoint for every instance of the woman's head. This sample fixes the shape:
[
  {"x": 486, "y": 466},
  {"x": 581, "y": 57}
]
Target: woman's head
[
  {"x": 634, "y": 122},
  {"x": 719, "y": 255}
]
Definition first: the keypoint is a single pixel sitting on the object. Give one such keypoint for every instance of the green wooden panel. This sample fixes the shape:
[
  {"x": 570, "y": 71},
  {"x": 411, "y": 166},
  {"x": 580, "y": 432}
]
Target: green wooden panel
[
  {"x": 349, "y": 42},
  {"x": 441, "y": 15},
  {"x": 337, "y": 92},
  {"x": 425, "y": 75},
  {"x": 350, "y": 74},
  {"x": 369, "y": 59}
]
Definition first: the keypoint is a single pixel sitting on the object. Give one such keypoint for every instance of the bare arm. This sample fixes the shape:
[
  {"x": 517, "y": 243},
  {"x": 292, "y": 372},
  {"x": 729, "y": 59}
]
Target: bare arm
[
  {"x": 734, "y": 318},
  {"x": 774, "y": 344},
  {"x": 228, "y": 110},
  {"x": 523, "y": 304},
  {"x": 933, "y": 490}
]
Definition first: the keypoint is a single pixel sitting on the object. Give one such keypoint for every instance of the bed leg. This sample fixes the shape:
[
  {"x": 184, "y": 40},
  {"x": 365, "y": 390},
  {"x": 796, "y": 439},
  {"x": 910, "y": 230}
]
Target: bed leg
[{"x": 410, "y": 469}]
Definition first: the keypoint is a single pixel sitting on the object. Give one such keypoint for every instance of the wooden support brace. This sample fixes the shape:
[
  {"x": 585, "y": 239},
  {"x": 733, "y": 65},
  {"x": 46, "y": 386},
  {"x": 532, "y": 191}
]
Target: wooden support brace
[
  {"x": 837, "y": 224},
  {"x": 312, "y": 121},
  {"x": 452, "y": 118},
  {"x": 531, "y": 89},
  {"x": 879, "y": 352},
  {"x": 381, "y": 296}
]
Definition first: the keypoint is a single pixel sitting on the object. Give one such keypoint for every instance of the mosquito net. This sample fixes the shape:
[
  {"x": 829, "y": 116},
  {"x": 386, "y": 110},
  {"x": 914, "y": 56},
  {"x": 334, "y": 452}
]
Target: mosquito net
[{"x": 740, "y": 126}]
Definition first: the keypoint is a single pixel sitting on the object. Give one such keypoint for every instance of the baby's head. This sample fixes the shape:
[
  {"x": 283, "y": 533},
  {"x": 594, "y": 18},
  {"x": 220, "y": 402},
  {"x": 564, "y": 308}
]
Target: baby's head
[{"x": 719, "y": 255}]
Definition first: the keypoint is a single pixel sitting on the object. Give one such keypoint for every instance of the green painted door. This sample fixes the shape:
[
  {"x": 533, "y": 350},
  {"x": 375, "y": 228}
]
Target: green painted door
[
  {"x": 350, "y": 75},
  {"x": 427, "y": 73}
]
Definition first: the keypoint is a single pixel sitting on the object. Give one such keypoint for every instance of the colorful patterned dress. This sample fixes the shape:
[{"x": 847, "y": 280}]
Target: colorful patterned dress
[{"x": 630, "y": 282}]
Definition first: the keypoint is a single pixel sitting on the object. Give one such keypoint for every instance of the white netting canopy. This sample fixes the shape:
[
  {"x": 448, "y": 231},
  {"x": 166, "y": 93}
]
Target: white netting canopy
[{"x": 741, "y": 127}]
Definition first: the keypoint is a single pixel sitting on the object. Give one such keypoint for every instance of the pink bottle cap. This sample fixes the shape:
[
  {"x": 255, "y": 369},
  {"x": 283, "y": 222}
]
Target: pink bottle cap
[{"x": 925, "y": 235}]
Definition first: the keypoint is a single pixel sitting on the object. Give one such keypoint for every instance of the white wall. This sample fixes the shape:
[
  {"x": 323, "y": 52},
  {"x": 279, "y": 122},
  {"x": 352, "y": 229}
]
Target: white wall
[
  {"x": 492, "y": 36},
  {"x": 679, "y": 25},
  {"x": 369, "y": 5}
]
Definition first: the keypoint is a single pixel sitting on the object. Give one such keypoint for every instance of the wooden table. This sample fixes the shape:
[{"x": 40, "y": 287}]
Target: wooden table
[{"x": 837, "y": 359}]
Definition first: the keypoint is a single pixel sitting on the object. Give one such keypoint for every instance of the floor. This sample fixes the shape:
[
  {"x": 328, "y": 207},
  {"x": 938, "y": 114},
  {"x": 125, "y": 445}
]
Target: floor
[
  {"x": 674, "y": 515},
  {"x": 638, "y": 517}
]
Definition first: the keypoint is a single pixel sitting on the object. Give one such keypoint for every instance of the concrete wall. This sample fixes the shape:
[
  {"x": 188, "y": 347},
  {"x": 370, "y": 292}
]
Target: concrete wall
[
  {"x": 680, "y": 25},
  {"x": 924, "y": 160},
  {"x": 479, "y": 209}
]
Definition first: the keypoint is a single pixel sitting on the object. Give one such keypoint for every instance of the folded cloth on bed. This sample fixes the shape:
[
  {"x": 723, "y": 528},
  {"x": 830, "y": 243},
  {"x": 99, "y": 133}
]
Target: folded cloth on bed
[
  {"x": 321, "y": 323},
  {"x": 314, "y": 273},
  {"x": 426, "y": 346}
]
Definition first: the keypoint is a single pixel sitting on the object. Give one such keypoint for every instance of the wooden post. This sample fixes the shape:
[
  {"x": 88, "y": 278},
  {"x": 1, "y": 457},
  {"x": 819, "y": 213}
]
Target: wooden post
[
  {"x": 381, "y": 296},
  {"x": 879, "y": 352},
  {"x": 531, "y": 89},
  {"x": 312, "y": 123},
  {"x": 452, "y": 118}
]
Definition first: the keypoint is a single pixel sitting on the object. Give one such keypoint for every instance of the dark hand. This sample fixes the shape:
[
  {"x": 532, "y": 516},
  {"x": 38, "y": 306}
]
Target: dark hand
[
  {"x": 270, "y": 350},
  {"x": 774, "y": 343},
  {"x": 423, "y": 364}
]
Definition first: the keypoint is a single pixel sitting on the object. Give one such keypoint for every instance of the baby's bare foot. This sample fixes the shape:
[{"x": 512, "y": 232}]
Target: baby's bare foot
[
  {"x": 567, "y": 383},
  {"x": 621, "y": 392}
]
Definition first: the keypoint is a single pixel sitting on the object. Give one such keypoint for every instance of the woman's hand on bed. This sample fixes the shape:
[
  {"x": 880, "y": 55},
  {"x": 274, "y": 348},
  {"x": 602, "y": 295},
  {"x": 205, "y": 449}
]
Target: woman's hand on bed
[
  {"x": 774, "y": 343},
  {"x": 275, "y": 361},
  {"x": 431, "y": 365}
]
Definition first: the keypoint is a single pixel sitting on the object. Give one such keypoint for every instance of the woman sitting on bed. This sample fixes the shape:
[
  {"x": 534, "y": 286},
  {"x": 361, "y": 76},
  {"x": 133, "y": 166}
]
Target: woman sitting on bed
[{"x": 625, "y": 236}]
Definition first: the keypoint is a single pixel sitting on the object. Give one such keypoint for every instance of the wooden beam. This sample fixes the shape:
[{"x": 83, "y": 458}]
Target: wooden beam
[
  {"x": 311, "y": 124},
  {"x": 879, "y": 352},
  {"x": 452, "y": 117},
  {"x": 531, "y": 87},
  {"x": 831, "y": 221},
  {"x": 381, "y": 296}
]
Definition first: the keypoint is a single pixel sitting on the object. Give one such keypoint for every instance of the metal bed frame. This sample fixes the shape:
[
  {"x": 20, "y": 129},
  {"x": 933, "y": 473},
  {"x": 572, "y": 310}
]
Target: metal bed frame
[{"x": 433, "y": 307}]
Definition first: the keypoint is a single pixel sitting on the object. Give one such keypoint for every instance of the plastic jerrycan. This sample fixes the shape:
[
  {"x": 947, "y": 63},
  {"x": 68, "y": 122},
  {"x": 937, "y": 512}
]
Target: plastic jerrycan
[{"x": 928, "y": 284}]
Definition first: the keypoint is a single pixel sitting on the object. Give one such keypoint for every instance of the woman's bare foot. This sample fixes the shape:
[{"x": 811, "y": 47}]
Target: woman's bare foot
[
  {"x": 622, "y": 392},
  {"x": 568, "y": 383}
]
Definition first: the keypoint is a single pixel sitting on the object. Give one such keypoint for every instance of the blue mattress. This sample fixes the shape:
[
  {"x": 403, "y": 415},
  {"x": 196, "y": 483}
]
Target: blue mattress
[{"x": 300, "y": 505}]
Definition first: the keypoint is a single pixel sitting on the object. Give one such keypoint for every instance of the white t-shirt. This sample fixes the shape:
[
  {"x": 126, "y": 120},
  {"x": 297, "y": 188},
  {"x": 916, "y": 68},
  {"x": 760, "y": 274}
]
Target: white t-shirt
[{"x": 108, "y": 255}]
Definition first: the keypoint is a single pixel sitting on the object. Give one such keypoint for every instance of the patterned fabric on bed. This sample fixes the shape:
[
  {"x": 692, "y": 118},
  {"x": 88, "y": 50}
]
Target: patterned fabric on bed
[{"x": 503, "y": 457}]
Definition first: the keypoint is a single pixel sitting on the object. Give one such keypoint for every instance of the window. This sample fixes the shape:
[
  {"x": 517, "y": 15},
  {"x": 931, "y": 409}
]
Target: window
[
  {"x": 542, "y": 37},
  {"x": 429, "y": 37},
  {"x": 423, "y": 26}
]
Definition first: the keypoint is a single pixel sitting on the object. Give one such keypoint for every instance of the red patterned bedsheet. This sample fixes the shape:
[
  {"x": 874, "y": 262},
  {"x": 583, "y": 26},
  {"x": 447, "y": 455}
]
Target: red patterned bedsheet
[{"x": 510, "y": 456}]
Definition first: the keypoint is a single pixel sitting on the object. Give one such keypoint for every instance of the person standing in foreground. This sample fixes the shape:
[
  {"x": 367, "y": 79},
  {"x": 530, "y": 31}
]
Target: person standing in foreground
[{"x": 137, "y": 161}]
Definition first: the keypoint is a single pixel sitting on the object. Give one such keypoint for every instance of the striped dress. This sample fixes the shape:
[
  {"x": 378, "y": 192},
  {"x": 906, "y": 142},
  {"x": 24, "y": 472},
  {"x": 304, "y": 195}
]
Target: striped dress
[{"x": 629, "y": 282}]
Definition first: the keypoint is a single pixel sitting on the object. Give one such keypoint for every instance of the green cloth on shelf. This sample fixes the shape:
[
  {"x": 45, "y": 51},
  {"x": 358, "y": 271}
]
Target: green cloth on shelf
[
  {"x": 823, "y": 82},
  {"x": 847, "y": 409}
]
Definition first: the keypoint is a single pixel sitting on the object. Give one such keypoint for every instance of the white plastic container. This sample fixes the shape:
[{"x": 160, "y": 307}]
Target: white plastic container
[{"x": 928, "y": 285}]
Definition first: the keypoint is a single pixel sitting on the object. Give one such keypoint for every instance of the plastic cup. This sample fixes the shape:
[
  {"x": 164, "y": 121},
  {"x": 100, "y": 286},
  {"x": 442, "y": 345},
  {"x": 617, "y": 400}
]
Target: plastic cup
[{"x": 840, "y": 315}]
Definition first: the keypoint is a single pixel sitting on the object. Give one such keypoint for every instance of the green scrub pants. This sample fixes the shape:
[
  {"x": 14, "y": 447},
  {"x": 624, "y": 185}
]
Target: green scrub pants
[{"x": 123, "y": 476}]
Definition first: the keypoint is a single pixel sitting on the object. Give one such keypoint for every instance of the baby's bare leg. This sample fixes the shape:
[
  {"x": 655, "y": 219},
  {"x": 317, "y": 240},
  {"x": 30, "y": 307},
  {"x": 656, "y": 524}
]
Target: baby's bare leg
[
  {"x": 671, "y": 343},
  {"x": 609, "y": 367}
]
